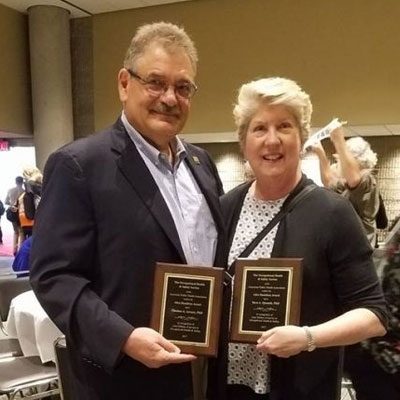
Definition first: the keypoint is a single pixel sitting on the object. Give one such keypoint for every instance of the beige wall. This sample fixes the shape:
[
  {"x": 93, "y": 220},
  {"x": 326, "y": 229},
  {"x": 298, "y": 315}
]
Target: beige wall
[
  {"x": 15, "y": 91},
  {"x": 345, "y": 53}
]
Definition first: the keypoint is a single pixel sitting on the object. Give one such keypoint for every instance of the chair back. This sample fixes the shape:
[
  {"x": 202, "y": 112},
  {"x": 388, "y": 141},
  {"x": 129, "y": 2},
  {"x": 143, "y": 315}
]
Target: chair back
[
  {"x": 6, "y": 270},
  {"x": 9, "y": 288},
  {"x": 63, "y": 369}
]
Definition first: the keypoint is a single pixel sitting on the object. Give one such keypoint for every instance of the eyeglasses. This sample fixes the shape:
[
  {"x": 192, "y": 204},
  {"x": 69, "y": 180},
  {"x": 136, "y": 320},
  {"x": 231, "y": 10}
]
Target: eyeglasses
[{"x": 158, "y": 86}]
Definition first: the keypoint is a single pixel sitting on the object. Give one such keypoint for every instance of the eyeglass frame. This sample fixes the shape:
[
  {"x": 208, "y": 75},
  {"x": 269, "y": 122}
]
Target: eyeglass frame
[{"x": 166, "y": 86}]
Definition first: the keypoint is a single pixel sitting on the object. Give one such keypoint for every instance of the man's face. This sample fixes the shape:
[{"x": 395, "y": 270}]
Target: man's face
[{"x": 156, "y": 117}]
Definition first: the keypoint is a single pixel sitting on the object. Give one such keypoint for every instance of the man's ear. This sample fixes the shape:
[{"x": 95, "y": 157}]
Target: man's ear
[{"x": 124, "y": 80}]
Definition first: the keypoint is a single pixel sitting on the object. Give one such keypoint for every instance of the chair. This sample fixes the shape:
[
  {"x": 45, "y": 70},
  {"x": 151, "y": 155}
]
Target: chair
[
  {"x": 26, "y": 376},
  {"x": 63, "y": 369},
  {"x": 6, "y": 270},
  {"x": 9, "y": 288}
]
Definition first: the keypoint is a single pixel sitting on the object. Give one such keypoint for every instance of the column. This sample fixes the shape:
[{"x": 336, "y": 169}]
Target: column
[{"x": 50, "y": 55}]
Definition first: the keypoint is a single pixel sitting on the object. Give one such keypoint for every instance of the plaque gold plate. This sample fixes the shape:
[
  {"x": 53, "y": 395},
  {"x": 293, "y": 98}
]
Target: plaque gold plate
[
  {"x": 266, "y": 294},
  {"x": 187, "y": 303}
]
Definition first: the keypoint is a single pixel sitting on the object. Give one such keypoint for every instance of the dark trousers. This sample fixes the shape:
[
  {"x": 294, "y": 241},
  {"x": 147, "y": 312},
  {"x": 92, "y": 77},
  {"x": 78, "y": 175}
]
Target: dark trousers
[
  {"x": 27, "y": 231},
  {"x": 242, "y": 392}
]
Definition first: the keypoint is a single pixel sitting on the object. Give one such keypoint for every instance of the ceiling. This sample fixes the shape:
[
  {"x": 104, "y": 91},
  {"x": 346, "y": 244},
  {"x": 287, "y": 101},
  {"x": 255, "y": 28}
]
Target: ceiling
[{"x": 86, "y": 8}]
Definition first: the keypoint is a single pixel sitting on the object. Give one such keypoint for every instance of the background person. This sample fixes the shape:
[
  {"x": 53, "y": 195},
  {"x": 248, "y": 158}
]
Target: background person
[
  {"x": 2, "y": 210},
  {"x": 114, "y": 204},
  {"x": 29, "y": 200},
  {"x": 352, "y": 176},
  {"x": 341, "y": 302},
  {"x": 10, "y": 200},
  {"x": 377, "y": 360},
  {"x": 21, "y": 261}
]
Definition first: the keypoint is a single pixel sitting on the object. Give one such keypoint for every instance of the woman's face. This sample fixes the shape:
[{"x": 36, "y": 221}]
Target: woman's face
[{"x": 272, "y": 144}]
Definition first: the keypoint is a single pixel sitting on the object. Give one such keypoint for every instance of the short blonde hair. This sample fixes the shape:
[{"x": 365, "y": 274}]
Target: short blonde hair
[
  {"x": 273, "y": 91},
  {"x": 168, "y": 35}
]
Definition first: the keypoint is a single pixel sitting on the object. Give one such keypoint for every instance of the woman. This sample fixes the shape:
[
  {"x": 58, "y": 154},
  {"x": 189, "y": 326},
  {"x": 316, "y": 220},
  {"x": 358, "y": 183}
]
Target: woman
[
  {"x": 342, "y": 302},
  {"x": 353, "y": 176},
  {"x": 29, "y": 200}
]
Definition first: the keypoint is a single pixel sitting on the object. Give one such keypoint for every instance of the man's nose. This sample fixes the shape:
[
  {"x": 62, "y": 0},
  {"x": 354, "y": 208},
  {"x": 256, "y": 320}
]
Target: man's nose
[{"x": 169, "y": 96}]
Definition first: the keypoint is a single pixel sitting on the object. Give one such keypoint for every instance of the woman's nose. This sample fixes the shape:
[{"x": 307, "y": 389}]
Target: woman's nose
[{"x": 271, "y": 136}]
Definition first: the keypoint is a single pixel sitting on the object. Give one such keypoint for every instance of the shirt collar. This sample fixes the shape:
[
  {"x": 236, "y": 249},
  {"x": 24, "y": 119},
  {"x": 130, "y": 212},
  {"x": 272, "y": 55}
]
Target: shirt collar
[{"x": 152, "y": 153}]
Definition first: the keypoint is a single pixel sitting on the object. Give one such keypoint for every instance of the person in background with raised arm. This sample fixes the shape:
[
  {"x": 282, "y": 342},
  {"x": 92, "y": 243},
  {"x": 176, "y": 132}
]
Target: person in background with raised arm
[{"x": 352, "y": 176}]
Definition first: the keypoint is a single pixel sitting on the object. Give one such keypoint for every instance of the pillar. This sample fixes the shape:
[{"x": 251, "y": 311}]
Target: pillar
[{"x": 50, "y": 56}]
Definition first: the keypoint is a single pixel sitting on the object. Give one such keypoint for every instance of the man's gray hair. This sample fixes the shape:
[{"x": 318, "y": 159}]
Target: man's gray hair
[
  {"x": 272, "y": 91},
  {"x": 168, "y": 35}
]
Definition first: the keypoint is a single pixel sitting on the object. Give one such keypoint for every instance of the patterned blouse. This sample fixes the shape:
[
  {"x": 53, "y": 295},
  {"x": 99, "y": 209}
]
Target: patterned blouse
[{"x": 248, "y": 366}]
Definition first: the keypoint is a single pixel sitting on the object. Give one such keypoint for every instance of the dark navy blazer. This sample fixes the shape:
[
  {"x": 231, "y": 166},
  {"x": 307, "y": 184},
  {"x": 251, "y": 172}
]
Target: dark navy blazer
[{"x": 101, "y": 226}]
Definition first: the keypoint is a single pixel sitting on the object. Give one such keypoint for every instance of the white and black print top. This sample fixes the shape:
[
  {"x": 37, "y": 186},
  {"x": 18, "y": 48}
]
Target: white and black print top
[{"x": 246, "y": 365}]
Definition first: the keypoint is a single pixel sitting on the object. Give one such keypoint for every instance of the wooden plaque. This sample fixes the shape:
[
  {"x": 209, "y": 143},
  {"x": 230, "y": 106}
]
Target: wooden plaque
[
  {"x": 266, "y": 294},
  {"x": 187, "y": 303}
]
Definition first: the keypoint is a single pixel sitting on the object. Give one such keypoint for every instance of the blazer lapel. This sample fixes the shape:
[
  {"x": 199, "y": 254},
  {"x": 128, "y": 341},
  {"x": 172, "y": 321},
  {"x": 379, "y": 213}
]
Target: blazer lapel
[{"x": 134, "y": 169}]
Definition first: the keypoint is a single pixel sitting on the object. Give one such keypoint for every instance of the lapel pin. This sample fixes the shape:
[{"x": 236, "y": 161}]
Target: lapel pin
[{"x": 196, "y": 160}]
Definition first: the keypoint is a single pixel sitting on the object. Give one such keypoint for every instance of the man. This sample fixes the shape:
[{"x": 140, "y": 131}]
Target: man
[
  {"x": 352, "y": 176},
  {"x": 114, "y": 204},
  {"x": 11, "y": 200}
]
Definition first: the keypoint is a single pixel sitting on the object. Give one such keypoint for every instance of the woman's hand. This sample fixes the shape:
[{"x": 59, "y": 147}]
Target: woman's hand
[
  {"x": 317, "y": 148},
  {"x": 283, "y": 341}
]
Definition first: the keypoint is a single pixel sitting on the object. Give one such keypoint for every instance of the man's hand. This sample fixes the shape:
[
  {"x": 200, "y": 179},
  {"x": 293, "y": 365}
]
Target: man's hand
[{"x": 153, "y": 350}]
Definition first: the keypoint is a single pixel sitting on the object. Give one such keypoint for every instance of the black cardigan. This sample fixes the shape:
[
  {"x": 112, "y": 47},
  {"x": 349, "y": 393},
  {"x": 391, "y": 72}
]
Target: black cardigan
[{"x": 339, "y": 275}]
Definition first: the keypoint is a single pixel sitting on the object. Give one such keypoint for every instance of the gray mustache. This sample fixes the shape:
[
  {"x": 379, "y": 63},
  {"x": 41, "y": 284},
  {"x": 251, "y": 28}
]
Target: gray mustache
[{"x": 165, "y": 109}]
